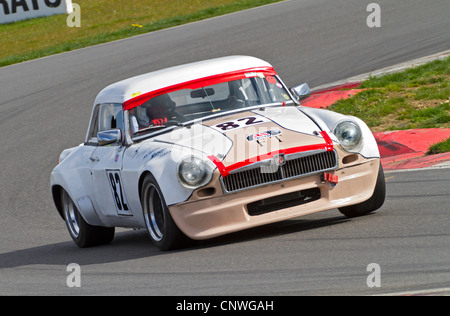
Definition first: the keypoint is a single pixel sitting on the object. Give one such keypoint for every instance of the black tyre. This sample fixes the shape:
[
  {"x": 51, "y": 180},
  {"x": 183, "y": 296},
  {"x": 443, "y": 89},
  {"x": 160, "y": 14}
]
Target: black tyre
[
  {"x": 372, "y": 204},
  {"x": 83, "y": 234},
  {"x": 163, "y": 231}
]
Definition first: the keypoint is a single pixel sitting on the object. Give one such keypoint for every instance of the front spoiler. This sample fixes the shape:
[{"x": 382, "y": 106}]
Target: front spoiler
[{"x": 225, "y": 214}]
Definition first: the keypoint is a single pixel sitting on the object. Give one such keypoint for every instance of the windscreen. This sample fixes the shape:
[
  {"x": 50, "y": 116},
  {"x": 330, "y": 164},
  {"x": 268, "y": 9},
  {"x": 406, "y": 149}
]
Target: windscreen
[{"x": 185, "y": 105}]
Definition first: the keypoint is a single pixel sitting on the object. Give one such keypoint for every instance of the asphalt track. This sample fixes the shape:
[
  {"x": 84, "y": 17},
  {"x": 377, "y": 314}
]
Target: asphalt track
[{"x": 45, "y": 107}]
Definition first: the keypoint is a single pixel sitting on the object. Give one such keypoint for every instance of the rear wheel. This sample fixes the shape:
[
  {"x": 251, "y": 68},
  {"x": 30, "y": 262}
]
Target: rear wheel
[
  {"x": 372, "y": 204},
  {"x": 163, "y": 231},
  {"x": 83, "y": 234}
]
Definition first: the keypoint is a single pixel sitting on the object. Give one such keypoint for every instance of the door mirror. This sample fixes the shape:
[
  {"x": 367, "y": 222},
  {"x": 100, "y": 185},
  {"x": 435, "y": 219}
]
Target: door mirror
[
  {"x": 109, "y": 136},
  {"x": 301, "y": 92}
]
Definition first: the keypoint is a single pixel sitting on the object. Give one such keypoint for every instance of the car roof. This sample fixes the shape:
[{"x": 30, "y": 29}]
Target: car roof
[{"x": 127, "y": 89}]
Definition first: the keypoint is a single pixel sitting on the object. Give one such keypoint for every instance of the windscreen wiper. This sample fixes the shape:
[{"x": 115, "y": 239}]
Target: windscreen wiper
[{"x": 157, "y": 127}]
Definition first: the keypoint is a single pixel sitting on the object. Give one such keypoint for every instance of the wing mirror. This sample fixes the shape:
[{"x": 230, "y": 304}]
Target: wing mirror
[
  {"x": 109, "y": 136},
  {"x": 301, "y": 91}
]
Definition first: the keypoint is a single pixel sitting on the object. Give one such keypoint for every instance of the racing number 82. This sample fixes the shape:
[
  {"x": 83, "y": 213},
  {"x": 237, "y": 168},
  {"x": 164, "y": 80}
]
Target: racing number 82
[
  {"x": 235, "y": 124},
  {"x": 116, "y": 186}
]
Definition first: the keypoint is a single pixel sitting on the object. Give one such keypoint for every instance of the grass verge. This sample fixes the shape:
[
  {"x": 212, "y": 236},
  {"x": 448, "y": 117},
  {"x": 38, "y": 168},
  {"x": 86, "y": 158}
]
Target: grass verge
[
  {"x": 441, "y": 147},
  {"x": 415, "y": 98},
  {"x": 104, "y": 21}
]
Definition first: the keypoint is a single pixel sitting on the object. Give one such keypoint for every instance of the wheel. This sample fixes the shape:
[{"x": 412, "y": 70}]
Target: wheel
[
  {"x": 163, "y": 231},
  {"x": 83, "y": 234},
  {"x": 372, "y": 204}
]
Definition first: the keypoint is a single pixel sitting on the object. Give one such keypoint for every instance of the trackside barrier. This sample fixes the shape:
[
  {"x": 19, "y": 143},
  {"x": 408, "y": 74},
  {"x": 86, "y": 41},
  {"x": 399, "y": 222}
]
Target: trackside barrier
[{"x": 17, "y": 10}]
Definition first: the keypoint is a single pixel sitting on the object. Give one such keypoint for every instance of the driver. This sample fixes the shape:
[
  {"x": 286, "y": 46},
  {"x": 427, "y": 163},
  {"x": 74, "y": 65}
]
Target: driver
[
  {"x": 159, "y": 109},
  {"x": 156, "y": 111}
]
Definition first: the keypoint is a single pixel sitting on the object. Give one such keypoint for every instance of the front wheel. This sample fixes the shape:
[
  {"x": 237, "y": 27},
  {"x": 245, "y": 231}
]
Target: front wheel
[
  {"x": 372, "y": 204},
  {"x": 163, "y": 231},
  {"x": 83, "y": 234}
]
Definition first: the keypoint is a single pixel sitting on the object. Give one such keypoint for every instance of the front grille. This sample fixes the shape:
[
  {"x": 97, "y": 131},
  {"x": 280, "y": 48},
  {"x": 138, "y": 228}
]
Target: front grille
[{"x": 292, "y": 168}]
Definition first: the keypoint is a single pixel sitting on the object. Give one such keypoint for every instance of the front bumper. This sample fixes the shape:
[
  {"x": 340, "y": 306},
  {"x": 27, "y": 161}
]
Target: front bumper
[{"x": 215, "y": 216}]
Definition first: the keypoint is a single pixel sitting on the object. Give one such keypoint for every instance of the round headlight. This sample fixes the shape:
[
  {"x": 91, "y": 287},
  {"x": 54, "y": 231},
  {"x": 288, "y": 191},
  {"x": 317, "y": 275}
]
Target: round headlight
[
  {"x": 349, "y": 135},
  {"x": 192, "y": 172}
]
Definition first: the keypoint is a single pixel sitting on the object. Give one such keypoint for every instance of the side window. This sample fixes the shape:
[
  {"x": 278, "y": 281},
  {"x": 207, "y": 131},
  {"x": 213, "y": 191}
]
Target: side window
[
  {"x": 110, "y": 116},
  {"x": 93, "y": 127},
  {"x": 104, "y": 117}
]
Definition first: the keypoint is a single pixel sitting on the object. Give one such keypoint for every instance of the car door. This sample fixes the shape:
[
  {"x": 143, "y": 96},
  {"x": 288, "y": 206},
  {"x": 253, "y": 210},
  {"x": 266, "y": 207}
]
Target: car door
[
  {"x": 106, "y": 165},
  {"x": 107, "y": 180}
]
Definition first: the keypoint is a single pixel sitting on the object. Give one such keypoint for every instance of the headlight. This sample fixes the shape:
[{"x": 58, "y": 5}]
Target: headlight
[
  {"x": 349, "y": 135},
  {"x": 193, "y": 172}
]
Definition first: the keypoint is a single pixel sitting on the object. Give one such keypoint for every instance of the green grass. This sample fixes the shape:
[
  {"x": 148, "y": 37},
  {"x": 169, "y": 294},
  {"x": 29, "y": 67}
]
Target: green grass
[
  {"x": 104, "y": 21},
  {"x": 428, "y": 117},
  {"x": 429, "y": 73},
  {"x": 441, "y": 147},
  {"x": 415, "y": 98}
]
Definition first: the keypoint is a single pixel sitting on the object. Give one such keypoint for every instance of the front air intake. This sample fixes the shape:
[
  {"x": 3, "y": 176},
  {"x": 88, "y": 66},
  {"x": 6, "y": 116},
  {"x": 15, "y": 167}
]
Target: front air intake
[{"x": 293, "y": 168}]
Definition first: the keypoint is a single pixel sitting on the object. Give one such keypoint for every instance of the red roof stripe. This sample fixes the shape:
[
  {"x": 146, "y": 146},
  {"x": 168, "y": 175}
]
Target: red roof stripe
[{"x": 197, "y": 83}]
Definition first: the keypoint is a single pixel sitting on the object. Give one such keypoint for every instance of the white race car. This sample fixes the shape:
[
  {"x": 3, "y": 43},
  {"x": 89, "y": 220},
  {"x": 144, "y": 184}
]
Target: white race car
[{"x": 209, "y": 148}]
